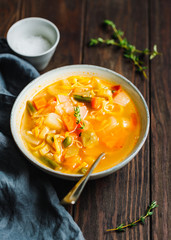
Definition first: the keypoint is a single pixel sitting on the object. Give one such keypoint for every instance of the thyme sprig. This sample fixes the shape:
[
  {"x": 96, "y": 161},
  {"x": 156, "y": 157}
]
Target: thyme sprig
[
  {"x": 149, "y": 212},
  {"x": 77, "y": 115},
  {"x": 130, "y": 51}
]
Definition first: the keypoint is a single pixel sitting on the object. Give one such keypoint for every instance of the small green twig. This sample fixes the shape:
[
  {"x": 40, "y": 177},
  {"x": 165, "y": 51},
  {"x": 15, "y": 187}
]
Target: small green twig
[
  {"x": 149, "y": 212},
  {"x": 130, "y": 51}
]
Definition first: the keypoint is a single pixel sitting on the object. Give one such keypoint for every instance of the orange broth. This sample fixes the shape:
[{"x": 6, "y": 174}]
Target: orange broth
[{"x": 69, "y": 123}]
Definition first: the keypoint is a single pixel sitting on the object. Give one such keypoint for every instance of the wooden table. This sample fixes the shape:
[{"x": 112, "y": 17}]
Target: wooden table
[{"x": 124, "y": 195}]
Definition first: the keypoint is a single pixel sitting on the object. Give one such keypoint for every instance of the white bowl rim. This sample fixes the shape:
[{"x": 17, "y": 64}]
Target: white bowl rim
[
  {"x": 39, "y": 19},
  {"x": 77, "y": 176}
]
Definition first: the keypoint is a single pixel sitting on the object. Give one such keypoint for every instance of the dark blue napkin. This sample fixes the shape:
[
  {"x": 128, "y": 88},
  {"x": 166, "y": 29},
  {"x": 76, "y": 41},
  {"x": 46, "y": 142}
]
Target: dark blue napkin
[{"x": 29, "y": 205}]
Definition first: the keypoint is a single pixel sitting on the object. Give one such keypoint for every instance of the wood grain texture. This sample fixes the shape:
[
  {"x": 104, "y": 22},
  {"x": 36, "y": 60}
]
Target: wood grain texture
[
  {"x": 9, "y": 14},
  {"x": 160, "y": 119},
  {"x": 124, "y": 195}
]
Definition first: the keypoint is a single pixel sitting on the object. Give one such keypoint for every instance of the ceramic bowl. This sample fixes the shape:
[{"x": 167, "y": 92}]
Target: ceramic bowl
[
  {"x": 63, "y": 72},
  {"x": 34, "y": 39}
]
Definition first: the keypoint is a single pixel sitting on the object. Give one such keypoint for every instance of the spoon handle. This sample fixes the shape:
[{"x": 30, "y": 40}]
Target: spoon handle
[{"x": 75, "y": 192}]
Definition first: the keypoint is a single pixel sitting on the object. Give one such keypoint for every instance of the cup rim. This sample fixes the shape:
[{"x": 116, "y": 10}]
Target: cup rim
[{"x": 35, "y": 19}]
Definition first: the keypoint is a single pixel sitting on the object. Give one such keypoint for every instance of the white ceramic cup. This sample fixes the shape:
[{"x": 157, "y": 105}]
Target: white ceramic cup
[{"x": 25, "y": 37}]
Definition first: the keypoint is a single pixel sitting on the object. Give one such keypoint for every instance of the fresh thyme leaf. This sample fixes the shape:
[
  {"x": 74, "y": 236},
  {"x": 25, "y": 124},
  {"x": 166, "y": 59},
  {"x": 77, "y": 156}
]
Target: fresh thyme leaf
[
  {"x": 93, "y": 42},
  {"x": 77, "y": 115},
  {"x": 110, "y": 23},
  {"x": 78, "y": 118},
  {"x": 110, "y": 41},
  {"x": 154, "y": 53},
  {"x": 150, "y": 213},
  {"x": 130, "y": 51},
  {"x": 121, "y": 33},
  {"x": 100, "y": 40},
  {"x": 82, "y": 126},
  {"x": 122, "y": 226},
  {"x": 142, "y": 219}
]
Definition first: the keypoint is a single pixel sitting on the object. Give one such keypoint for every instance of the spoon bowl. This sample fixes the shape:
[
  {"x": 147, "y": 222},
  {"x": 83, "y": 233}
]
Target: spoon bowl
[{"x": 75, "y": 192}]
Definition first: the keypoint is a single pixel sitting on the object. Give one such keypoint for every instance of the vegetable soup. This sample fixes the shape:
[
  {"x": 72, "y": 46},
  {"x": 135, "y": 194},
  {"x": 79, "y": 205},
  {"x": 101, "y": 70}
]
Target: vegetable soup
[{"x": 69, "y": 123}]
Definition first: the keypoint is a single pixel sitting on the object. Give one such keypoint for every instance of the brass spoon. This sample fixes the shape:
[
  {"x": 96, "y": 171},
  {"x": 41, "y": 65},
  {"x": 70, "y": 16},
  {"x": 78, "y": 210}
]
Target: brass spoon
[{"x": 75, "y": 192}]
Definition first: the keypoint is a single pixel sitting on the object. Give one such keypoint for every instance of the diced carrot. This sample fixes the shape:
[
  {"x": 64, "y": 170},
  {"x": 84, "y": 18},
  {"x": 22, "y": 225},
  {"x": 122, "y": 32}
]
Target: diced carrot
[
  {"x": 70, "y": 122},
  {"x": 116, "y": 89},
  {"x": 96, "y": 102},
  {"x": 52, "y": 101},
  {"x": 50, "y": 106},
  {"x": 40, "y": 103}
]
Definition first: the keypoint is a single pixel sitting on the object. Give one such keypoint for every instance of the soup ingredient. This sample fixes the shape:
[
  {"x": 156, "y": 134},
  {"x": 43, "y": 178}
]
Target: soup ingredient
[
  {"x": 82, "y": 98},
  {"x": 29, "y": 137},
  {"x": 31, "y": 109},
  {"x": 70, "y": 122},
  {"x": 50, "y": 163},
  {"x": 104, "y": 92},
  {"x": 43, "y": 132},
  {"x": 77, "y": 115},
  {"x": 72, "y": 151},
  {"x": 43, "y": 151},
  {"x": 121, "y": 99},
  {"x": 89, "y": 138},
  {"x": 130, "y": 51},
  {"x": 67, "y": 141},
  {"x": 116, "y": 89},
  {"x": 40, "y": 103},
  {"x": 149, "y": 212},
  {"x": 50, "y": 139},
  {"x": 96, "y": 102},
  {"x": 53, "y": 121}
]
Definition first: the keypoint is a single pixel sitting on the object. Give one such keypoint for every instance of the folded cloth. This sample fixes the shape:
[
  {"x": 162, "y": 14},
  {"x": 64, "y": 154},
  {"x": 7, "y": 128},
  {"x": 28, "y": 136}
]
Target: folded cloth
[{"x": 29, "y": 206}]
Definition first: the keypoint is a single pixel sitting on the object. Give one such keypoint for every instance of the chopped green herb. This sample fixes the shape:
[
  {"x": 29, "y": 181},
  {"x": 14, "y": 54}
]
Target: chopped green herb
[
  {"x": 77, "y": 115},
  {"x": 82, "y": 126}
]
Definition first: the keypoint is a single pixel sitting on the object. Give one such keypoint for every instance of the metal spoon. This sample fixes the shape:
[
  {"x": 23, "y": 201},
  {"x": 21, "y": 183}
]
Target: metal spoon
[{"x": 75, "y": 192}]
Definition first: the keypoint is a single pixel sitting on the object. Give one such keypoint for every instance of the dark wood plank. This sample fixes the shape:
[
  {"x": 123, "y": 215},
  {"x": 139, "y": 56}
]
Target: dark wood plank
[
  {"x": 124, "y": 195},
  {"x": 67, "y": 16},
  {"x": 160, "y": 118},
  {"x": 9, "y": 14}
]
